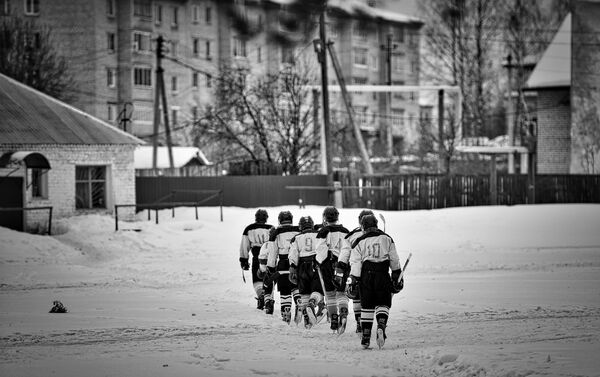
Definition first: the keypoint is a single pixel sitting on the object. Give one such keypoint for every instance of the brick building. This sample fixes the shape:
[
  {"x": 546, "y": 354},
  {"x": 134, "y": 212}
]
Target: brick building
[
  {"x": 565, "y": 83},
  {"x": 110, "y": 47},
  {"x": 54, "y": 155}
]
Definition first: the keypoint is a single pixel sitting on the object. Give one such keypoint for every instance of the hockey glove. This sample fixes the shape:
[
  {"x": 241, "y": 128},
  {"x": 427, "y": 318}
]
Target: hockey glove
[
  {"x": 244, "y": 263},
  {"x": 338, "y": 278},
  {"x": 398, "y": 286},
  {"x": 293, "y": 275},
  {"x": 352, "y": 287}
]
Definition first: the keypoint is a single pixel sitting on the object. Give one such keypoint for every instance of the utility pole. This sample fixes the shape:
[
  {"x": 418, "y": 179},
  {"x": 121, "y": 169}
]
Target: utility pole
[
  {"x": 321, "y": 50},
  {"x": 510, "y": 115},
  {"x": 389, "y": 139},
  {"x": 159, "y": 94},
  {"x": 441, "y": 146}
]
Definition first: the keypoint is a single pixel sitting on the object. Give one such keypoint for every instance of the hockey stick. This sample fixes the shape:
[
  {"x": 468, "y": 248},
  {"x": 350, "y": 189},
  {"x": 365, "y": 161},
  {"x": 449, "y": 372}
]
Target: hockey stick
[
  {"x": 243, "y": 276},
  {"x": 404, "y": 268},
  {"x": 382, "y": 220},
  {"x": 323, "y": 287}
]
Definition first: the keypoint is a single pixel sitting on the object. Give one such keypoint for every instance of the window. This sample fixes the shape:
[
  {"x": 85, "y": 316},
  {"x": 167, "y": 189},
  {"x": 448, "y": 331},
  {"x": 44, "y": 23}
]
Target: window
[
  {"x": 111, "y": 77},
  {"x": 32, "y": 7},
  {"x": 359, "y": 80},
  {"x": 142, "y": 76},
  {"x": 398, "y": 63},
  {"x": 287, "y": 55},
  {"x": 175, "y": 20},
  {"x": 196, "y": 46},
  {"x": 399, "y": 34},
  {"x": 141, "y": 42},
  {"x": 158, "y": 15},
  {"x": 239, "y": 46},
  {"x": 174, "y": 48},
  {"x": 195, "y": 14},
  {"x": 359, "y": 30},
  {"x": 397, "y": 117},
  {"x": 90, "y": 187},
  {"x": 173, "y": 83},
  {"x": 195, "y": 80},
  {"x": 174, "y": 112},
  {"x": 360, "y": 56},
  {"x": 399, "y": 95},
  {"x": 111, "y": 42},
  {"x": 39, "y": 183},
  {"x": 111, "y": 111},
  {"x": 208, "y": 15},
  {"x": 374, "y": 62},
  {"x": 208, "y": 80},
  {"x": 4, "y": 7},
  {"x": 142, "y": 8},
  {"x": 207, "y": 45},
  {"x": 110, "y": 8}
]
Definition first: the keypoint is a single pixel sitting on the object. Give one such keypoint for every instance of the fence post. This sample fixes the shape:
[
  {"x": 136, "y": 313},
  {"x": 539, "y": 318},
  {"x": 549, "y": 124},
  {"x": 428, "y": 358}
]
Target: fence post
[
  {"x": 196, "y": 208},
  {"x": 156, "y": 215},
  {"x": 50, "y": 222},
  {"x": 173, "y": 212},
  {"x": 116, "y": 217},
  {"x": 221, "y": 203}
]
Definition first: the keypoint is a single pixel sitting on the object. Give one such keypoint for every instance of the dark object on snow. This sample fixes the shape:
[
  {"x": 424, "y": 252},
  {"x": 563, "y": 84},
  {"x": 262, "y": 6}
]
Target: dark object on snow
[{"x": 58, "y": 307}]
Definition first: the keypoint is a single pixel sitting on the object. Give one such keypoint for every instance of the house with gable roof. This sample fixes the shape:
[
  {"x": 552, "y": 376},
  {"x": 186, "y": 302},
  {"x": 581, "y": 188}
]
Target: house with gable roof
[{"x": 54, "y": 155}]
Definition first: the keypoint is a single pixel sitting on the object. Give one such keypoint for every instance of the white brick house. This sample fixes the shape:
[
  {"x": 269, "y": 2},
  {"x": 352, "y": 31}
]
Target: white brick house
[{"x": 64, "y": 159}]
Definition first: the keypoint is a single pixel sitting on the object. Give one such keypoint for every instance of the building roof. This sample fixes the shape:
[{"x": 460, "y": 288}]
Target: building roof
[
  {"x": 554, "y": 68},
  {"x": 28, "y": 116},
  {"x": 182, "y": 156},
  {"x": 360, "y": 9}
]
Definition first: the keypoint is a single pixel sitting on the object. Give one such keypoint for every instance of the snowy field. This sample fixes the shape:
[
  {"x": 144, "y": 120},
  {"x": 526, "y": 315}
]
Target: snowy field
[{"x": 490, "y": 291}]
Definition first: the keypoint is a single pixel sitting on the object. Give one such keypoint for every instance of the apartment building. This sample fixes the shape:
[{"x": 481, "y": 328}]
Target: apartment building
[{"x": 110, "y": 45}]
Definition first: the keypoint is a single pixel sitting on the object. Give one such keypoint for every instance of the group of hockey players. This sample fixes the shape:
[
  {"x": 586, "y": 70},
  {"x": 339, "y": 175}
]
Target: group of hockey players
[{"x": 317, "y": 268}]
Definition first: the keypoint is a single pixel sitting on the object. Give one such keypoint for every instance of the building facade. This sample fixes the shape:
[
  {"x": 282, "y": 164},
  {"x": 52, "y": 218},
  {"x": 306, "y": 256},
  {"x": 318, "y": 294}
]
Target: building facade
[{"x": 111, "y": 48}]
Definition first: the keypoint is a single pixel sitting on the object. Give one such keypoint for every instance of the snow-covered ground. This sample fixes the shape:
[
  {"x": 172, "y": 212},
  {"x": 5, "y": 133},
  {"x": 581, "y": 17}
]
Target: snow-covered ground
[{"x": 490, "y": 291}]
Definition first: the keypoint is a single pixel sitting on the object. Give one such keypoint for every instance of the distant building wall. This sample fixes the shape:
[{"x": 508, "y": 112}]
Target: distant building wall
[{"x": 554, "y": 136}]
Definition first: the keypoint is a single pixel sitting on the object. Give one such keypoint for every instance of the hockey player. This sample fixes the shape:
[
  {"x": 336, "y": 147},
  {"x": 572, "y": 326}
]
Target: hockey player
[
  {"x": 302, "y": 272},
  {"x": 373, "y": 255},
  {"x": 342, "y": 269},
  {"x": 329, "y": 244},
  {"x": 278, "y": 265},
  {"x": 263, "y": 273},
  {"x": 254, "y": 236}
]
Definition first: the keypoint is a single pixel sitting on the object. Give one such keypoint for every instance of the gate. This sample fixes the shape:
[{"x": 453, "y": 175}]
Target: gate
[{"x": 11, "y": 189}]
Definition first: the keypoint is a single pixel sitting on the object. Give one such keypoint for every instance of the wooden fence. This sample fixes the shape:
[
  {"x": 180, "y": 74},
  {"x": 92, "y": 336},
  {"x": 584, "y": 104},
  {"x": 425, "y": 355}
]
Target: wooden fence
[
  {"x": 239, "y": 191},
  {"x": 389, "y": 192},
  {"x": 407, "y": 192}
]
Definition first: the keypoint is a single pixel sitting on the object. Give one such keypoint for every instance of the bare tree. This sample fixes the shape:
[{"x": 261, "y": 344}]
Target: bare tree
[
  {"x": 28, "y": 55},
  {"x": 266, "y": 118}
]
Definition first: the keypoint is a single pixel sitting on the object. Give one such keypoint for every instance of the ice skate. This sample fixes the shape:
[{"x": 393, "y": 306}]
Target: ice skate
[
  {"x": 260, "y": 302},
  {"x": 298, "y": 315},
  {"x": 321, "y": 312},
  {"x": 286, "y": 315},
  {"x": 310, "y": 314},
  {"x": 366, "y": 338},
  {"x": 334, "y": 322},
  {"x": 269, "y": 306},
  {"x": 358, "y": 326},
  {"x": 343, "y": 319},
  {"x": 381, "y": 323}
]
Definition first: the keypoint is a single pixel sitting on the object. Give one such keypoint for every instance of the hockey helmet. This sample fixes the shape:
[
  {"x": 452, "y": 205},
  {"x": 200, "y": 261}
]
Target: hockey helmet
[
  {"x": 364, "y": 213},
  {"x": 261, "y": 216},
  {"x": 285, "y": 217},
  {"x": 306, "y": 222},
  {"x": 331, "y": 214},
  {"x": 368, "y": 221}
]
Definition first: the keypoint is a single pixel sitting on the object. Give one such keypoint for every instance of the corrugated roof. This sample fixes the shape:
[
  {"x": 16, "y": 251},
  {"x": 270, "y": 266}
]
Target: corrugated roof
[
  {"x": 182, "y": 156},
  {"x": 28, "y": 116},
  {"x": 554, "y": 68},
  {"x": 357, "y": 8}
]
